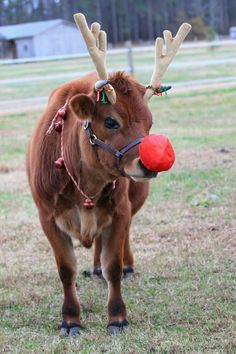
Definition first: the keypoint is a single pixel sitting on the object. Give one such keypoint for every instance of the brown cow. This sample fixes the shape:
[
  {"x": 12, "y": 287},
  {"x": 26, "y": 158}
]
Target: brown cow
[{"x": 95, "y": 190}]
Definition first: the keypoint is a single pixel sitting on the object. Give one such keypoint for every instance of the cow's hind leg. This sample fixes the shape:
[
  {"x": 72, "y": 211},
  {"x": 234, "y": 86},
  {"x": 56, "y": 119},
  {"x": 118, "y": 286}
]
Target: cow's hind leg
[
  {"x": 128, "y": 260},
  {"x": 97, "y": 270},
  {"x": 66, "y": 264}
]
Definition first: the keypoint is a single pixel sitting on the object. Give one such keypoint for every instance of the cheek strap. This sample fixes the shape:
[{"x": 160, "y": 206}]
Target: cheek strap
[{"x": 117, "y": 153}]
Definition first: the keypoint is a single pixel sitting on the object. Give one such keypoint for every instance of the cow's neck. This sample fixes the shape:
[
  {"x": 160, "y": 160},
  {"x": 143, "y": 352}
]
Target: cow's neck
[
  {"x": 88, "y": 175},
  {"x": 90, "y": 182}
]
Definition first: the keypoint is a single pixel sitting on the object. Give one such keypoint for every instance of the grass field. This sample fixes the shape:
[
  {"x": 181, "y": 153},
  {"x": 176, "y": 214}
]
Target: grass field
[{"x": 182, "y": 298}]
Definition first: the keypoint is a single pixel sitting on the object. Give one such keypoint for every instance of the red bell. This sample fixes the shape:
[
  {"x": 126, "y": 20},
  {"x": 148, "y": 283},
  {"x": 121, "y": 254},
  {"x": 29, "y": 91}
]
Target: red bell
[
  {"x": 88, "y": 203},
  {"x": 156, "y": 153},
  {"x": 61, "y": 112},
  {"x": 59, "y": 163},
  {"x": 58, "y": 126}
]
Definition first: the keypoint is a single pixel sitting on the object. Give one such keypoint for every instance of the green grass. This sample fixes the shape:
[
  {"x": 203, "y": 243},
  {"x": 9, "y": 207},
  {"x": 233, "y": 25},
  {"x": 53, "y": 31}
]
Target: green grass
[
  {"x": 182, "y": 298},
  {"x": 44, "y": 87},
  {"x": 187, "y": 308},
  {"x": 195, "y": 182},
  {"x": 197, "y": 119},
  {"x": 15, "y": 130}
]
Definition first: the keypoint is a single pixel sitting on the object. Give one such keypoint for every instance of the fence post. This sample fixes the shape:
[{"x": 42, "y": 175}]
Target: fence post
[{"x": 128, "y": 45}]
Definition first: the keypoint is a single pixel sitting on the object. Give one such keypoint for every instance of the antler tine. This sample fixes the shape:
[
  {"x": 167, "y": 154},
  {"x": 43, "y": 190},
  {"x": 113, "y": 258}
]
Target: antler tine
[
  {"x": 162, "y": 60},
  {"x": 96, "y": 41}
]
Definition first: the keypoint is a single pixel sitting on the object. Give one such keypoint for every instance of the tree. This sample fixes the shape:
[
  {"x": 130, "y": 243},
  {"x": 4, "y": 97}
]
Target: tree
[
  {"x": 127, "y": 19},
  {"x": 199, "y": 28}
]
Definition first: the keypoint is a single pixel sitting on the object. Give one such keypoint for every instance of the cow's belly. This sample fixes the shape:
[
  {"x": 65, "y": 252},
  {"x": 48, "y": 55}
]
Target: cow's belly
[{"x": 83, "y": 224}]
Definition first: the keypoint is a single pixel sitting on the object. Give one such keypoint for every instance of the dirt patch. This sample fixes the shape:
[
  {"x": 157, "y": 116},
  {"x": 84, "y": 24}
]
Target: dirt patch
[
  {"x": 8, "y": 168},
  {"x": 13, "y": 180},
  {"x": 204, "y": 158},
  {"x": 178, "y": 226}
]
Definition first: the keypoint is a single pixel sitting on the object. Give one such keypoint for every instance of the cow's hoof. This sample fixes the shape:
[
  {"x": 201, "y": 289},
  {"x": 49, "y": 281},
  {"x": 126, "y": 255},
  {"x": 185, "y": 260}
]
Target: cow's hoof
[
  {"x": 115, "y": 328},
  {"x": 86, "y": 273},
  {"x": 128, "y": 272},
  {"x": 69, "y": 329},
  {"x": 98, "y": 273}
]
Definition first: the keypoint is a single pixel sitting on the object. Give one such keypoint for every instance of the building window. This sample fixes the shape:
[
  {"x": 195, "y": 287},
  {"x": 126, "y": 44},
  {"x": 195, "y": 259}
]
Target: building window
[{"x": 26, "y": 47}]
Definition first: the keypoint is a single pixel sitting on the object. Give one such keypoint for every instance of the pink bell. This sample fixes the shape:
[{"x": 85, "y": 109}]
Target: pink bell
[
  {"x": 88, "y": 203},
  {"x": 59, "y": 163},
  {"x": 157, "y": 153},
  {"x": 58, "y": 126},
  {"x": 61, "y": 112}
]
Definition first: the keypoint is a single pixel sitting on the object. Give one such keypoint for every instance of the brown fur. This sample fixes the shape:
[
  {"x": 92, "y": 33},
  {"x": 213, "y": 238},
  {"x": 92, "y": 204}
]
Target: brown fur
[{"x": 60, "y": 204}]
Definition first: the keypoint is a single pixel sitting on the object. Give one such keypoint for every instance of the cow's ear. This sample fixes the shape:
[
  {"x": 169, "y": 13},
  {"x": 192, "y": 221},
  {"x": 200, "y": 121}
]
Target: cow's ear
[{"x": 82, "y": 105}]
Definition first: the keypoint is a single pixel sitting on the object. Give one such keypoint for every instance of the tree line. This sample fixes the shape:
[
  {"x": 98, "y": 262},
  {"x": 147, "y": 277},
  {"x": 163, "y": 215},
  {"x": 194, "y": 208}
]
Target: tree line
[{"x": 136, "y": 20}]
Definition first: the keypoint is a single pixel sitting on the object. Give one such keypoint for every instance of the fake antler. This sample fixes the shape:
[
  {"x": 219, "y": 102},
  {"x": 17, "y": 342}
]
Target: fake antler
[
  {"x": 163, "y": 59},
  {"x": 96, "y": 42}
]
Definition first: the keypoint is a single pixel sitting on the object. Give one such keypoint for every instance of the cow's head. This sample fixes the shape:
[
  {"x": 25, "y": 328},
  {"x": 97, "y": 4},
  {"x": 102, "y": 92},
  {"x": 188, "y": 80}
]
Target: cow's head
[{"x": 118, "y": 128}]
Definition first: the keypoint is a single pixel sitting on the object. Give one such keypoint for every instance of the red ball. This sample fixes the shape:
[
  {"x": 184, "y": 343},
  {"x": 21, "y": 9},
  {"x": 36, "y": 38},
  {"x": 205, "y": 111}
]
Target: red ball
[{"x": 156, "y": 153}]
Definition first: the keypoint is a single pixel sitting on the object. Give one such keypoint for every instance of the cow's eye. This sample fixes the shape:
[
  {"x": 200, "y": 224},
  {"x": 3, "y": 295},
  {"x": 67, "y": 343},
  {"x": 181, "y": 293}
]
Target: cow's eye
[{"x": 111, "y": 123}]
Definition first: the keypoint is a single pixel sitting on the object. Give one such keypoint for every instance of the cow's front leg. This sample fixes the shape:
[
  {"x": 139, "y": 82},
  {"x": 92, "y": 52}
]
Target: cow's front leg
[
  {"x": 67, "y": 268},
  {"x": 112, "y": 266}
]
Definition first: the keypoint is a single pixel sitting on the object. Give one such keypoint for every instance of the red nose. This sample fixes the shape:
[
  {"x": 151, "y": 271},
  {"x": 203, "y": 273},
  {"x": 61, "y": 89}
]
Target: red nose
[{"x": 156, "y": 153}]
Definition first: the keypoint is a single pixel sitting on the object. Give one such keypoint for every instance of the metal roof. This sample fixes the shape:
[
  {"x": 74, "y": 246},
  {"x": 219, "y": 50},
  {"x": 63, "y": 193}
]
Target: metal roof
[{"x": 29, "y": 29}]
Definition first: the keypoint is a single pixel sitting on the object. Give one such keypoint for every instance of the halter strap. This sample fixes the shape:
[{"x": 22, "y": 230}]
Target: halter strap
[{"x": 117, "y": 153}]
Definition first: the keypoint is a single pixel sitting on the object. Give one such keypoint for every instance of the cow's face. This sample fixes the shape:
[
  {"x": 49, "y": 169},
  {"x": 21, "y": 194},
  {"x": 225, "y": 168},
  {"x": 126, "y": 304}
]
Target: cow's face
[{"x": 118, "y": 125}]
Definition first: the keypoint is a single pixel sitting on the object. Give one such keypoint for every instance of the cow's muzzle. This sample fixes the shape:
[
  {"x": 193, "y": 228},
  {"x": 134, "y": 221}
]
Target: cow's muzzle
[
  {"x": 138, "y": 172},
  {"x": 156, "y": 154}
]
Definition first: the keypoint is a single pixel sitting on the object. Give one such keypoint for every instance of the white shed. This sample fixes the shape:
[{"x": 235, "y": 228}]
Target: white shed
[
  {"x": 232, "y": 32},
  {"x": 40, "y": 39}
]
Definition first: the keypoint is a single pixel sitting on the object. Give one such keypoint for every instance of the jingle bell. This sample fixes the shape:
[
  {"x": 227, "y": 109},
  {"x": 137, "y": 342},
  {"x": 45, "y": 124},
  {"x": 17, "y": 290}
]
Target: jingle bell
[
  {"x": 59, "y": 163},
  {"x": 58, "y": 126},
  {"x": 88, "y": 203},
  {"x": 61, "y": 112}
]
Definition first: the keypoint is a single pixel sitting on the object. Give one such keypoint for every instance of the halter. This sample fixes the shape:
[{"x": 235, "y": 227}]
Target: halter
[
  {"x": 57, "y": 124},
  {"x": 117, "y": 153}
]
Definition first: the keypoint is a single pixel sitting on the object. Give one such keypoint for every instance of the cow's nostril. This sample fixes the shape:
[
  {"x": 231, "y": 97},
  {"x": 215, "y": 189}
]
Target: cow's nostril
[{"x": 147, "y": 173}]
